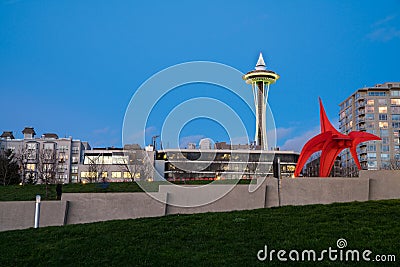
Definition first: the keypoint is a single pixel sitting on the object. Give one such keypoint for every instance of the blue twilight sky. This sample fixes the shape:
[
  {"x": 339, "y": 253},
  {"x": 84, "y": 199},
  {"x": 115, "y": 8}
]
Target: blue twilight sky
[{"x": 71, "y": 67}]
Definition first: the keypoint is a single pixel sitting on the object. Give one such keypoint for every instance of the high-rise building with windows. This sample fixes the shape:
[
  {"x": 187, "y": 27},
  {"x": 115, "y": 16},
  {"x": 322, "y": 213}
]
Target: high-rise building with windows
[{"x": 375, "y": 110}]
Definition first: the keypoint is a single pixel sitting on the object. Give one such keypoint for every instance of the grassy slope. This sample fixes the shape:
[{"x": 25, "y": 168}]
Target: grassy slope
[{"x": 209, "y": 239}]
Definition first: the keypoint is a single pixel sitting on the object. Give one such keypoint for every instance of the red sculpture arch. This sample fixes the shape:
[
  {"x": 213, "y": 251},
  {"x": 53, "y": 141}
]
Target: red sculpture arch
[{"x": 331, "y": 142}]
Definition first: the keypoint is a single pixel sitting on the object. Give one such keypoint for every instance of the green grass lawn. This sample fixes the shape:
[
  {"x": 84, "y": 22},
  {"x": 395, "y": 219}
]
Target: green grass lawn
[
  {"x": 29, "y": 192},
  {"x": 210, "y": 239}
]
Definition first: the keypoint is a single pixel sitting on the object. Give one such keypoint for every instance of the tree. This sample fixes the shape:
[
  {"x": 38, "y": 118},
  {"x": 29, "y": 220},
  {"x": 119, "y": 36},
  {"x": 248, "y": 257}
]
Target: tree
[
  {"x": 9, "y": 170},
  {"x": 27, "y": 167},
  {"x": 96, "y": 168},
  {"x": 47, "y": 167},
  {"x": 131, "y": 164},
  {"x": 394, "y": 164}
]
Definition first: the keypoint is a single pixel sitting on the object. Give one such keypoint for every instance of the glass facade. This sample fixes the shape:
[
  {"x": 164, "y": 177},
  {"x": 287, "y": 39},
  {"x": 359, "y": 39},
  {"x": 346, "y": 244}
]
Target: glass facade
[{"x": 218, "y": 164}]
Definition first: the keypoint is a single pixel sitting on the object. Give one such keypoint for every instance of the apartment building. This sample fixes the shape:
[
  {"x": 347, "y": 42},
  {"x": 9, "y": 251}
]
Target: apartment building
[
  {"x": 47, "y": 158},
  {"x": 375, "y": 110}
]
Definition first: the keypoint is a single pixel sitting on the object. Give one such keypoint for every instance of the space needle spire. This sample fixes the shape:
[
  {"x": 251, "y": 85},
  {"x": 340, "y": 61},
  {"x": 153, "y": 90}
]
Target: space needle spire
[{"x": 260, "y": 79}]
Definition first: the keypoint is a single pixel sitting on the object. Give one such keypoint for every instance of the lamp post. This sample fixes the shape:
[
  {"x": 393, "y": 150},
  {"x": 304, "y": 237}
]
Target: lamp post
[{"x": 37, "y": 211}]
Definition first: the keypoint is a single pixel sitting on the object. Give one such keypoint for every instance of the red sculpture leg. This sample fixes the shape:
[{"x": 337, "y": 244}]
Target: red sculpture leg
[{"x": 331, "y": 142}]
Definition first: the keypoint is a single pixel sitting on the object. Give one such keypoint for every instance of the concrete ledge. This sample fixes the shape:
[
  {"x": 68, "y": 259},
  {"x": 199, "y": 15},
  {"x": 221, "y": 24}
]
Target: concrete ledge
[
  {"x": 53, "y": 213},
  {"x": 383, "y": 184},
  {"x": 16, "y": 215},
  {"x": 305, "y": 191},
  {"x": 21, "y": 214},
  {"x": 212, "y": 198},
  {"x": 94, "y": 207}
]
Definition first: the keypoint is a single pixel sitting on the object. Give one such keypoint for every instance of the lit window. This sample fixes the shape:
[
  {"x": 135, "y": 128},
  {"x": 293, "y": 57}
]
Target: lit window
[
  {"x": 85, "y": 174},
  {"x": 370, "y": 102},
  {"x": 395, "y": 101},
  {"x": 127, "y": 175},
  {"x": 383, "y": 124},
  {"x": 104, "y": 175},
  {"x": 74, "y": 169},
  {"x": 382, "y": 109},
  {"x": 116, "y": 175},
  {"x": 31, "y": 167}
]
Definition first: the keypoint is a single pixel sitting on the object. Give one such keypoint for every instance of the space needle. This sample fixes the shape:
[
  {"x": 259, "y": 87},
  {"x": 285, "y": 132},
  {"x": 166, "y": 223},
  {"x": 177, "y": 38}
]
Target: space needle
[{"x": 260, "y": 79}]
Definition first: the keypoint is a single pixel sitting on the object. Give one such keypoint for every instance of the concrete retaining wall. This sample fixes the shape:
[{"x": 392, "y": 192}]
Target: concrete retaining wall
[
  {"x": 382, "y": 184},
  {"x": 93, "y": 207},
  {"x": 21, "y": 214},
  {"x": 212, "y": 198},
  {"x": 305, "y": 191}
]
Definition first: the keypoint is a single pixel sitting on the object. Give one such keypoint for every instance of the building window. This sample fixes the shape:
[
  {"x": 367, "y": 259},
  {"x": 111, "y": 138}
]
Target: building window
[
  {"x": 63, "y": 148},
  {"x": 372, "y": 164},
  {"x": 31, "y": 146},
  {"x": 104, "y": 174},
  {"x": 396, "y": 124},
  {"x": 385, "y": 156},
  {"x": 382, "y": 102},
  {"x": 75, "y": 150},
  {"x": 382, "y": 109},
  {"x": 370, "y": 109},
  {"x": 62, "y": 157},
  {"x": 74, "y": 178},
  {"x": 395, "y": 101},
  {"x": 383, "y": 124},
  {"x": 74, "y": 169},
  {"x": 48, "y": 146},
  {"x": 376, "y": 93},
  {"x": 395, "y": 93},
  {"x": 116, "y": 175},
  {"x": 384, "y": 132},
  {"x": 395, "y": 110},
  {"x": 371, "y": 155},
  {"x": 385, "y": 148},
  {"x": 31, "y": 167},
  {"x": 370, "y": 102},
  {"x": 75, "y": 159},
  {"x": 383, "y": 117},
  {"x": 385, "y": 140},
  {"x": 127, "y": 175},
  {"x": 396, "y": 117},
  {"x": 371, "y": 147},
  {"x": 369, "y": 117},
  {"x": 85, "y": 174}
]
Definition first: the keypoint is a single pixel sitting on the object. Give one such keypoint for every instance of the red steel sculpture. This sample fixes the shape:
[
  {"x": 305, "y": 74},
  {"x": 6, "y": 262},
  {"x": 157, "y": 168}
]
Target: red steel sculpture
[{"x": 331, "y": 142}]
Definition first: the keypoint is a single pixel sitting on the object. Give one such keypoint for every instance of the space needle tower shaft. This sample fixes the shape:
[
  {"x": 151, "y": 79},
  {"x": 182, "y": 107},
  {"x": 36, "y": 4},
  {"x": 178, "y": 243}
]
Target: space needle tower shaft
[{"x": 260, "y": 80}]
